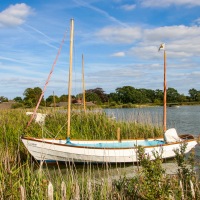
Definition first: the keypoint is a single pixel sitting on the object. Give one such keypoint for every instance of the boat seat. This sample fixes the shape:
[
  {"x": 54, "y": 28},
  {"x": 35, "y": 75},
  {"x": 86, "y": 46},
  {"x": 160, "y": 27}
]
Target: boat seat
[{"x": 171, "y": 136}]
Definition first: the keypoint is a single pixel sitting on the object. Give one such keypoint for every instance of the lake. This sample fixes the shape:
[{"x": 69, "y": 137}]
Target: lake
[{"x": 186, "y": 119}]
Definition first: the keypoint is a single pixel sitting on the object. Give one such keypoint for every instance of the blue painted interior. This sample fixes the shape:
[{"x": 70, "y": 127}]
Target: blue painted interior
[{"x": 120, "y": 144}]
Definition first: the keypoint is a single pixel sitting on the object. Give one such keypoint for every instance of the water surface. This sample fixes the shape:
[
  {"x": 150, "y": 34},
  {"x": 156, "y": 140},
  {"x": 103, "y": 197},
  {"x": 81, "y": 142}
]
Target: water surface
[{"x": 186, "y": 119}]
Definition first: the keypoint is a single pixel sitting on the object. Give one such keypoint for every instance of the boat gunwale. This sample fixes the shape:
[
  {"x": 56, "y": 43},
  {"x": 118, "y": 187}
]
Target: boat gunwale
[{"x": 108, "y": 148}]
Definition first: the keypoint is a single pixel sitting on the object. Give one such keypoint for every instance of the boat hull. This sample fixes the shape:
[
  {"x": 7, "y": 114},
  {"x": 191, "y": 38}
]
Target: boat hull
[{"x": 58, "y": 150}]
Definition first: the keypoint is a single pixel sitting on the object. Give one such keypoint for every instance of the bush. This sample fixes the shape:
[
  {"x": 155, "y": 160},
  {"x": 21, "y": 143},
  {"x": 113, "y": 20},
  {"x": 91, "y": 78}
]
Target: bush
[
  {"x": 17, "y": 105},
  {"x": 152, "y": 183}
]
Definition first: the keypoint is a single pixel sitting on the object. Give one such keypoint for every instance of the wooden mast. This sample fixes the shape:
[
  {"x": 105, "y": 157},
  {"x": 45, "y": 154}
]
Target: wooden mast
[
  {"x": 162, "y": 46},
  {"x": 70, "y": 77},
  {"x": 84, "y": 107},
  {"x": 165, "y": 96},
  {"x": 54, "y": 100}
]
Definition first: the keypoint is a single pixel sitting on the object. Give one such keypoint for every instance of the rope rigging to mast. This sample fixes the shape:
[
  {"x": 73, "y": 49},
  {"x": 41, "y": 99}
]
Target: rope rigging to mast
[{"x": 47, "y": 81}]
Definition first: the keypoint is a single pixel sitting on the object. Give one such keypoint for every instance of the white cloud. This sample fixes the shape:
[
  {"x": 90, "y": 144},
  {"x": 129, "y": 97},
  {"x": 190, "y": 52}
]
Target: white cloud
[
  {"x": 197, "y": 21},
  {"x": 14, "y": 15},
  {"x": 124, "y": 35},
  {"x": 129, "y": 35},
  {"x": 172, "y": 33},
  {"x": 135, "y": 48},
  {"x": 144, "y": 52},
  {"x": 167, "y": 3},
  {"x": 118, "y": 54},
  {"x": 182, "y": 42},
  {"x": 128, "y": 7}
]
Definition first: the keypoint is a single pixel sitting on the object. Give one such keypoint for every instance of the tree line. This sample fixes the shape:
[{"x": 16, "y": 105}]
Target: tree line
[{"x": 122, "y": 95}]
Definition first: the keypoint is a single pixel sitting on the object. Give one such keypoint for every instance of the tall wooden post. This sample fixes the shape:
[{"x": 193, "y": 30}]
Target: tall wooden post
[
  {"x": 54, "y": 100},
  {"x": 83, "y": 81}
]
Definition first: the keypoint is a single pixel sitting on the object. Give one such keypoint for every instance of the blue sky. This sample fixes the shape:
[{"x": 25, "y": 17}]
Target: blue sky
[{"x": 118, "y": 38}]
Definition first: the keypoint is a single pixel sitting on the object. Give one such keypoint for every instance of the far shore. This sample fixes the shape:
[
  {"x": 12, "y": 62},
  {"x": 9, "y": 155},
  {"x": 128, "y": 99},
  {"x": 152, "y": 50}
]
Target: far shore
[{"x": 14, "y": 105}]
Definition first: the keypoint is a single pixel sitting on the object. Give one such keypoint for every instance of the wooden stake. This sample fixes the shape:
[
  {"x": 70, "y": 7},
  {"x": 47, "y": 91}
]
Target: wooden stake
[
  {"x": 84, "y": 107},
  {"x": 118, "y": 134}
]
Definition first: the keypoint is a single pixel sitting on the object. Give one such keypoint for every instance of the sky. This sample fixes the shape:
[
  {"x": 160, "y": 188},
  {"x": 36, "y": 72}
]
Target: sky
[{"x": 119, "y": 40}]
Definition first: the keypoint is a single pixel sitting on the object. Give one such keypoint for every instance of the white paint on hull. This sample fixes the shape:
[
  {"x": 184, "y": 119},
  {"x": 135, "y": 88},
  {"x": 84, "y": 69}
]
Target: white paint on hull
[{"x": 57, "y": 150}]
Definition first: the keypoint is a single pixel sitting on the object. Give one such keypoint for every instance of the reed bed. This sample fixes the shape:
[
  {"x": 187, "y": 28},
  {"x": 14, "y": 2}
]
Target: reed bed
[
  {"x": 23, "y": 178},
  {"x": 93, "y": 125}
]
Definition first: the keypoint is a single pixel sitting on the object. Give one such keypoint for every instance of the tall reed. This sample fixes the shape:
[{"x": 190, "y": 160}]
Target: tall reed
[{"x": 18, "y": 169}]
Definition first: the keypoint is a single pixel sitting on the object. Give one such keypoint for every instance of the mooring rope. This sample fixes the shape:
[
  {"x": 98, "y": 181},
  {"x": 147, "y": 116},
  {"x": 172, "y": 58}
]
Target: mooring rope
[{"x": 47, "y": 81}]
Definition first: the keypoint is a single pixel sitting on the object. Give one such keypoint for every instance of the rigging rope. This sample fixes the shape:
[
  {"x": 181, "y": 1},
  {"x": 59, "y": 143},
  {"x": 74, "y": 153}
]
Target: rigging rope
[{"x": 47, "y": 81}]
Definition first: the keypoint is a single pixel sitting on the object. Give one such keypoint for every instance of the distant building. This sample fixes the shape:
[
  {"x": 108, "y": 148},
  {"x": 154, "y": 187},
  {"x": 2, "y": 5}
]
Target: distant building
[
  {"x": 7, "y": 105},
  {"x": 76, "y": 102}
]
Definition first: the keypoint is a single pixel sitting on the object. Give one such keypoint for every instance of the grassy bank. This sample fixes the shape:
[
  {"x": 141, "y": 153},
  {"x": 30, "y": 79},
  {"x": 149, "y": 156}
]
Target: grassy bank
[{"x": 21, "y": 176}]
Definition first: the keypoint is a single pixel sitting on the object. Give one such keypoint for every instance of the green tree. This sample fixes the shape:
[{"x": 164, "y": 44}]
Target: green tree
[
  {"x": 193, "y": 94},
  {"x": 3, "y": 99},
  {"x": 99, "y": 92},
  {"x": 159, "y": 95},
  {"x": 198, "y": 96},
  {"x": 92, "y": 97},
  {"x": 172, "y": 95},
  {"x": 64, "y": 98},
  {"x": 113, "y": 97},
  {"x": 50, "y": 99},
  {"x": 18, "y": 99},
  {"x": 182, "y": 98},
  {"x": 129, "y": 94},
  {"x": 32, "y": 96},
  {"x": 148, "y": 95}
]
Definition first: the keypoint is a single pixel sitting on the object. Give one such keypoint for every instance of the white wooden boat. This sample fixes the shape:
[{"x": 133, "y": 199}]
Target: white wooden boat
[
  {"x": 118, "y": 151},
  {"x": 105, "y": 151}
]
